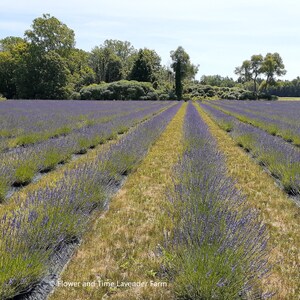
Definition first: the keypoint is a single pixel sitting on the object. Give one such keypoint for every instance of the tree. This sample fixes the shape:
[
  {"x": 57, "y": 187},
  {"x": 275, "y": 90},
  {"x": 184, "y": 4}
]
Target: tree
[
  {"x": 7, "y": 66},
  {"x": 50, "y": 34},
  {"x": 13, "y": 48},
  {"x": 217, "y": 80},
  {"x": 8, "y": 43},
  {"x": 146, "y": 66},
  {"x": 250, "y": 70},
  {"x": 273, "y": 66},
  {"x": 125, "y": 51},
  {"x": 120, "y": 48},
  {"x": 112, "y": 60},
  {"x": 256, "y": 68},
  {"x": 183, "y": 69},
  {"x": 41, "y": 75},
  {"x": 80, "y": 72},
  {"x": 106, "y": 64},
  {"x": 42, "y": 68}
]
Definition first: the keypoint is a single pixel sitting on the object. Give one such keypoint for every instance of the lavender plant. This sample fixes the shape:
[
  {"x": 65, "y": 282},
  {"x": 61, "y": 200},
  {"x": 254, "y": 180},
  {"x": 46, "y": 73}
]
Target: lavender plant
[
  {"x": 281, "y": 158},
  {"x": 217, "y": 249},
  {"x": 19, "y": 166},
  {"x": 277, "y": 118},
  {"x": 53, "y": 216},
  {"x": 27, "y": 122}
]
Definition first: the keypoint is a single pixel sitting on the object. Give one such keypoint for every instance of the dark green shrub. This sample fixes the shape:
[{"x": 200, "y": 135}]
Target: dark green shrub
[
  {"x": 119, "y": 90},
  {"x": 247, "y": 95}
]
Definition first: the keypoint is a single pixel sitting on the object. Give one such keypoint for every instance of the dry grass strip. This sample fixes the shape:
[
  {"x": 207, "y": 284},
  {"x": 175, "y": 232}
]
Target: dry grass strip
[
  {"x": 279, "y": 213},
  {"x": 122, "y": 243}
]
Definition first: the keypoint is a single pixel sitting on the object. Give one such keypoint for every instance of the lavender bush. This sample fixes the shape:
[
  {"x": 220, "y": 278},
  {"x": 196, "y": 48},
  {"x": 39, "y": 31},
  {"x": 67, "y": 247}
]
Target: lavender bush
[
  {"x": 52, "y": 216},
  {"x": 279, "y": 118},
  {"x": 281, "y": 158},
  {"x": 217, "y": 249},
  {"x": 20, "y": 165}
]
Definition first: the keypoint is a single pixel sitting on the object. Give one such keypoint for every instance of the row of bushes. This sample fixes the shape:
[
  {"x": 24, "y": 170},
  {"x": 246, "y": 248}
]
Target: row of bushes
[
  {"x": 260, "y": 139},
  {"x": 135, "y": 90},
  {"x": 217, "y": 247},
  {"x": 52, "y": 216},
  {"x": 119, "y": 90},
  {"x": 201, "y": 92}
]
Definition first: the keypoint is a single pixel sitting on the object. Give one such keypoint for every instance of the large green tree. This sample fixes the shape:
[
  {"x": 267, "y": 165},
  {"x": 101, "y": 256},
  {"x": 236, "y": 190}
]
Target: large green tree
[
  {"x": 12, "y": 50},
  {"x": 146, "y": 66},
  {"x": 273, "y": 66},
  {"x": 125, "y": 51},
  {"x": 251, "y": 69},
  {"x": 81, "y": 73},
  {"x": 50, "y": 34},
  {"x": 44, "y": 64},
  {"x": 43, "y": 71},
  {"x": 9, "y": 43},
  {"x": 106, "y": 64},
  {"x": 7, "y": 67},
  {"x": 183, "y": 69},
  {"x": 41, "y": 75}
]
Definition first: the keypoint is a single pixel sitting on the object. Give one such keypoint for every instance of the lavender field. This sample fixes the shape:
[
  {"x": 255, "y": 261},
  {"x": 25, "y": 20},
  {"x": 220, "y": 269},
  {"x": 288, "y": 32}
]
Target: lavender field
[
  {"x": 64, "y": 163},
  {"x": 269, "y": 131}
]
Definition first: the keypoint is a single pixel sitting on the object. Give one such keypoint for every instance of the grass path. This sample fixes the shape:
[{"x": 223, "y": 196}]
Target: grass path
[
  {"x": 289, "y": 99},
  {"x": 122, "y": 243},
  {"x": 279, "y": 213}
]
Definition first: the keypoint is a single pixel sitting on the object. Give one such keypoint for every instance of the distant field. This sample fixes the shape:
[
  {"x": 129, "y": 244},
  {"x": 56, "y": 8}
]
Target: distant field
[{"x": 289, "y": 98}]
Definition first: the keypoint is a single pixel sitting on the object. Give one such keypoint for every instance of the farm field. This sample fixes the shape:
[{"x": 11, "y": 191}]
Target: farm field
[{"x": 149, "y": 200}]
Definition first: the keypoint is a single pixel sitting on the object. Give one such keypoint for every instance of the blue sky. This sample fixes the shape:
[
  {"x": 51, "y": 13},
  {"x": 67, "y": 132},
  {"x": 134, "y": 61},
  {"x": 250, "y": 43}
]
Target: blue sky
[{"x": 217, "y": 34}]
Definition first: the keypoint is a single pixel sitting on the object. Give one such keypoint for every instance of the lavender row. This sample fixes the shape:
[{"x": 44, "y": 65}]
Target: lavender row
[
  {"x": 53, "y": 216},
  {"x": 288, "y": 111},
  {"x": 281, "y": 158},
  {"x": 281, "y": 119},
  {"x": 25, "y": 124},
  {"x": 25, "y": 115},
  {"x": 18, "y": 167},
  {"x": 217, "y": 249}
]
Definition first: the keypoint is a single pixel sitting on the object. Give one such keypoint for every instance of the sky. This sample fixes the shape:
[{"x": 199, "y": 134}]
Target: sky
[{"x": 217, "y": 34}]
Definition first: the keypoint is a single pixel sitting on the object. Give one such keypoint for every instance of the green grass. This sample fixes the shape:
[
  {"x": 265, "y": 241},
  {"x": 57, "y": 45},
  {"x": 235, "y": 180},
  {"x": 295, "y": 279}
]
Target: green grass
[
  {"x": 289, "y": 98},
  {"x": 226, "y": 125},
  {"x": 83, "y": 145},
  {"x": 5, "y": 133}
]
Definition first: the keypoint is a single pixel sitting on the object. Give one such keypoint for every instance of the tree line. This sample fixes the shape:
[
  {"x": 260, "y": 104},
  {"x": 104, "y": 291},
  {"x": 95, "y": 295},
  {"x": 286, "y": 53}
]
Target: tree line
[{"x": 45, "y": 64}]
